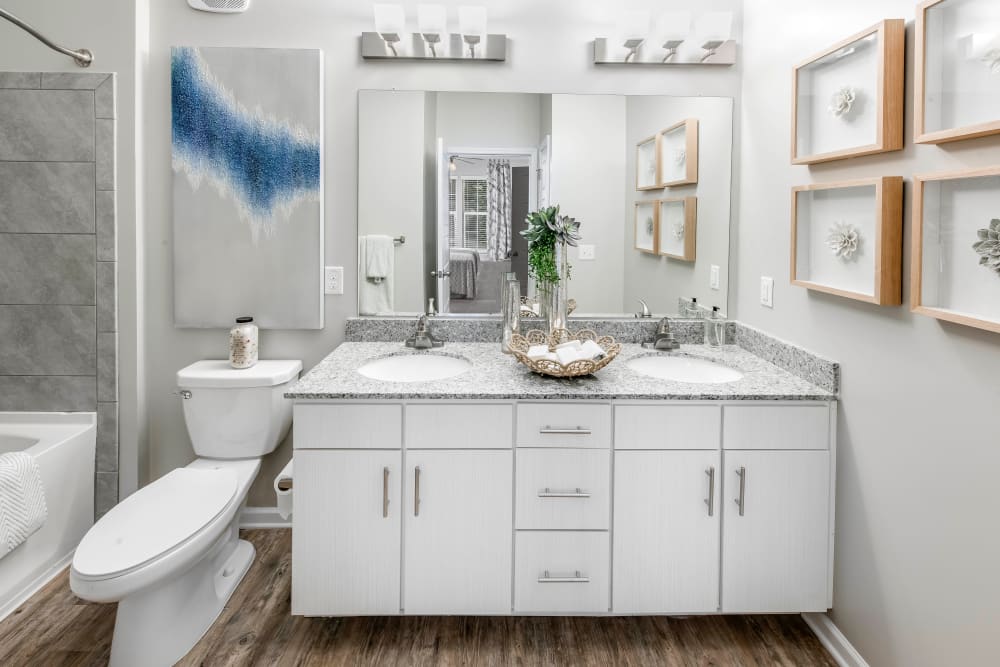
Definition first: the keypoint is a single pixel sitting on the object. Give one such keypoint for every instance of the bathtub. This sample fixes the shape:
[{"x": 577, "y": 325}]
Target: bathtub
[{"x": 63, "y": 444}]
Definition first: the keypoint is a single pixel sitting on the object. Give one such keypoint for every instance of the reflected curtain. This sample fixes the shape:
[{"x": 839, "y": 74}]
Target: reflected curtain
[{"x": 498, "y": 213}]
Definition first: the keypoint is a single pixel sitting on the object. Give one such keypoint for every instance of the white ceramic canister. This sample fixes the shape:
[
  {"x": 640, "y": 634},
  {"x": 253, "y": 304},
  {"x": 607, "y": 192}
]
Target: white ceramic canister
[{"x": 243, "y": 343}]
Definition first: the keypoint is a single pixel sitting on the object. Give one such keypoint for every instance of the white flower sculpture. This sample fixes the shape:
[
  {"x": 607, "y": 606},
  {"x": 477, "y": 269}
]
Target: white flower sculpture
[
  {"x": 988, "y": 246},
  {"x": 678, "y": 230},
  {"x": 992, "y": 60},
  {"x": 680, "y": 155},
  {"x": 842, "y": 101},
  {"x": 649, "y": 226},
  {"x": 843, "y": 240}
]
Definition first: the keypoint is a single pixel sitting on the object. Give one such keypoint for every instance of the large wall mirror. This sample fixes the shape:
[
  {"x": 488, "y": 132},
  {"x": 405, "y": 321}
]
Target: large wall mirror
[{"x": 445, "y": 180}]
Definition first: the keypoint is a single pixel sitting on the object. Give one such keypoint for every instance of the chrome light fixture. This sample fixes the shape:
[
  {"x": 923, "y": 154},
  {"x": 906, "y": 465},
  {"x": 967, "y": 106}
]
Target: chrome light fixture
[
  {"x": 432, "y": 41},
  {"x": 633, "y": 43},
  {"x": 432, "y": 22},
  {"x": 472, "y": 25},
  {"x": 389, "y": 23}
]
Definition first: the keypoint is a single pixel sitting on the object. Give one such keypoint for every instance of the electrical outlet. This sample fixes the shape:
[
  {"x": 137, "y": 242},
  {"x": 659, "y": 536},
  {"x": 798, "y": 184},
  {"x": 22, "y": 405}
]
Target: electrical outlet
[
  {"x": 713, "y": 279},
  {"x": 767, "y": 291},
  {"x": 586, "y": 252},
  {"x": 333, "y": 280}
]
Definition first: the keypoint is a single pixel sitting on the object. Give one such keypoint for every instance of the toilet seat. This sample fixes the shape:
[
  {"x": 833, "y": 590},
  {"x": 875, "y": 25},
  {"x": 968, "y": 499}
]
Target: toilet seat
[{"x": 154, "y": 521}]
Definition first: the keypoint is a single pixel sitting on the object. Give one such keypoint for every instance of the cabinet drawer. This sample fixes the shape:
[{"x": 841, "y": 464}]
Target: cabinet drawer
[
  {"x": 359, "y": 426},
  {"x": 776, "y": 427},
  {"x": 564, "y": 489},
  {"x": 668, "y": 426},
  {"x": 561, "y": 572},
  {"x": 563, "y": 425},
  {"x": 459, "y": 426}
]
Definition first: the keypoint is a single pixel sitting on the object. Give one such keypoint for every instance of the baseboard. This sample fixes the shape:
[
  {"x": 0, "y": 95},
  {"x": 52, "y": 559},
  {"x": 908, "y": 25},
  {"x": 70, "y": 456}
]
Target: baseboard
[
  {"x": 40, "y": 582},
  {"x": 263, "y": 517},
  {"x": 833, "y": 640}
]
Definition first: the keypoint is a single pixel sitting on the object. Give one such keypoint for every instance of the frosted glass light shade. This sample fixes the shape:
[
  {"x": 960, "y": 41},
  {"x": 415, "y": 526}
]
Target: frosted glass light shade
[
  {"x": 715, "y": 27},
  {"x": 432, "y": 19},
  {"x": 472, "y": 20},
  {"x": 389, "y": 19},
  {"x": 673, "y": 26},
  {"x": 633, "y": 26}
]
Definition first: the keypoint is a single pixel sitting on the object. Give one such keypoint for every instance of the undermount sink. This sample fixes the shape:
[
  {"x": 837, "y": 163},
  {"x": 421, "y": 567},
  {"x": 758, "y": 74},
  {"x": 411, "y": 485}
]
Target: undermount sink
[
  {"x": 415, "y": 367},
  {"x": 684, "y": 369}
]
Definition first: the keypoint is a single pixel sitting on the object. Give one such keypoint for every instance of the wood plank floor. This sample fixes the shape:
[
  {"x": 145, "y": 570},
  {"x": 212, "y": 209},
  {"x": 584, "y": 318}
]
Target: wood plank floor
[{"x": 55, "y": 628}]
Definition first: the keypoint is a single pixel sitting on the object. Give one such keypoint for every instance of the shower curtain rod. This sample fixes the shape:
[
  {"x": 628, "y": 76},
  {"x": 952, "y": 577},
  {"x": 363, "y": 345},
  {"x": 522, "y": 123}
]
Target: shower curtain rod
[{"x": 82, "y": 57}]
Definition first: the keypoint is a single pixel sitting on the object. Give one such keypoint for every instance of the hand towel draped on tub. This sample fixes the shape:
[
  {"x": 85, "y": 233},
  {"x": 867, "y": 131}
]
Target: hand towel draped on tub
[
  {"x": 464, "y": 271},
  {"x": 22, "y": 500}
]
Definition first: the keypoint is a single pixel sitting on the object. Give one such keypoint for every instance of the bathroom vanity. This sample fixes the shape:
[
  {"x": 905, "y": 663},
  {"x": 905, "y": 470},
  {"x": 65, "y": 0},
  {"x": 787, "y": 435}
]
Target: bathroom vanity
[{"x": 498, "y": 491}]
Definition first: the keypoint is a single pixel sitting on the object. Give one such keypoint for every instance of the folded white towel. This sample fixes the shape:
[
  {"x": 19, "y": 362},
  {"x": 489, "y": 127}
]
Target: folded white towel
[
  {"x": 538, "y": 352},
  {"x": 568, "y": 355},
  {"x": 375, "y": 296},
  {"x": 571, "y": 345},
  {"x": 592, "y": 350},
  {"x": 22, "y": 500},
  {"x": 379, "y": 257}
]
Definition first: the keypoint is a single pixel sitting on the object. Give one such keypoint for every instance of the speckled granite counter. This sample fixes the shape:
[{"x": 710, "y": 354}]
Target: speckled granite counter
[{"x": 495, "y": 375}]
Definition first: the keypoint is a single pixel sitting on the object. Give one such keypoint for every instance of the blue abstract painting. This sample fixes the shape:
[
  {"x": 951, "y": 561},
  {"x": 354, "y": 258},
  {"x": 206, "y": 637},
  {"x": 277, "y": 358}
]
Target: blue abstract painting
[{"x": 248, "y": 208}]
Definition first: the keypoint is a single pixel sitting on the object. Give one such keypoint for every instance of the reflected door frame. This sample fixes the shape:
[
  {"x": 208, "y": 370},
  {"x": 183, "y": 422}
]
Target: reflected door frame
[{"x": 443, "y": 270}]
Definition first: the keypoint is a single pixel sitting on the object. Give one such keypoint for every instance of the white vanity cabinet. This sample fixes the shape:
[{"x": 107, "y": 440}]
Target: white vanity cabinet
[{"x": 562, "y": 507}]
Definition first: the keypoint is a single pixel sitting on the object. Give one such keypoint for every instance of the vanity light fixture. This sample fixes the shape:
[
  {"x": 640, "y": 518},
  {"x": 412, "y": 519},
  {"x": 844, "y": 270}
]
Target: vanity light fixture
[
  {"x": 672, "y": 28},
  {"x": 472, "y": 25},
  {"x": 389, "y": 23},
  {"x": 432, "y": 41},
  {"x": 432, "y": 22},
  {"x": 712, "y": 32}
]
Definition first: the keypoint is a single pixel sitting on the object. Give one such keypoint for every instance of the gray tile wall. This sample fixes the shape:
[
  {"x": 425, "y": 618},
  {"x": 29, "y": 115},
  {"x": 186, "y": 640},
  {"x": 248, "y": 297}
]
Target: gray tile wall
[{"x": 58, "y": 254}]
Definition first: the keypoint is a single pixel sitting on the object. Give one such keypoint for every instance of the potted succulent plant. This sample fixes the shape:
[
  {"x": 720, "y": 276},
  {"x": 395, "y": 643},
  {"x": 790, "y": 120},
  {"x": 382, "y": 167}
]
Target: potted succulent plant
[{"x": 549, "y": 235}]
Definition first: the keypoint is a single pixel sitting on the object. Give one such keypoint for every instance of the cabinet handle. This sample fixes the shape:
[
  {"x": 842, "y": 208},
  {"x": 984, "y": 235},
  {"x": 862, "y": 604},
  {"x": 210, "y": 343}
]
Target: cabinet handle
[
  {"x": 710, "y": 501},
  {"x": 385, "y": 492},
  {"x": 742, "y": 472},
  {"x": 416, "y": 491},
  {"x": 578, "y": 493},
  {"x": 577, "y": 578},
  {"x": 579, "y": 430}
]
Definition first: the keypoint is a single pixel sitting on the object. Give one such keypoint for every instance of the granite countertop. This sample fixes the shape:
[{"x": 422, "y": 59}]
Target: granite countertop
[{"x": 495, "y": 375}]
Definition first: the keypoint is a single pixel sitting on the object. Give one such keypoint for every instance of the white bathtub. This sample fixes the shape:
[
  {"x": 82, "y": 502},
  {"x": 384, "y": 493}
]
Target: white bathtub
[{"x": 63, "y": 444}]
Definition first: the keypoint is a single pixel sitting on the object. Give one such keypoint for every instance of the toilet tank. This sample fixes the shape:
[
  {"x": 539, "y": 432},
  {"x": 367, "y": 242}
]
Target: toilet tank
[{"x": 237, "y": 413}]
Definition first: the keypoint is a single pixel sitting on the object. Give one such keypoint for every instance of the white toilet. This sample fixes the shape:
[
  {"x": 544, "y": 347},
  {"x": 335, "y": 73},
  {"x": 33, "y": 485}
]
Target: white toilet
[{"x": 170, "y": 553}]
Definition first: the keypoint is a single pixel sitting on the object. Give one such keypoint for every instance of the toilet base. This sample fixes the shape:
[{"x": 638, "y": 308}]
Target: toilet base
[{"x": 160, "y": 625}]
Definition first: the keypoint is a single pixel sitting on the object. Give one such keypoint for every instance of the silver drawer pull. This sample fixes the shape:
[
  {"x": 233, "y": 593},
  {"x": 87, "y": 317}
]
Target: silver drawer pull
[
  {"x": 579, "y": 430},
  {"x": 577, "y": 578},
  {"x": 385, "y": 492},
  {"x": 710, "y": 501},
  {"x": 578, "y": 493},
  {"x": 741, "y": 472}
]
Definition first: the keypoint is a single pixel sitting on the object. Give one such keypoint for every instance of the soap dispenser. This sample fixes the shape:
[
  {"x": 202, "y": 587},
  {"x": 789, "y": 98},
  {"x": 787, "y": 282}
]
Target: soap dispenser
[
  {"x": 692, "y": 309},
  {"x": 715, "y": 328}
]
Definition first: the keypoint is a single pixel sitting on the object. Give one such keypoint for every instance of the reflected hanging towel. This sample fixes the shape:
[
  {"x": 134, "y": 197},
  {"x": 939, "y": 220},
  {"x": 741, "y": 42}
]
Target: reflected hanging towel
[
  {"x": 22, "y": 500},
  {"x": 375, "y": 295},
  {"x": 379, "y": 257}
]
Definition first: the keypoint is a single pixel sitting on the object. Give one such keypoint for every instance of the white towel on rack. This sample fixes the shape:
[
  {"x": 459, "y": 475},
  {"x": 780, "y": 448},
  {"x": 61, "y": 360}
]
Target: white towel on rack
[
  {"x": 379, "y": 257},
  {"x": 375, "y": 297},
  {"x": 22, "y": 500}
]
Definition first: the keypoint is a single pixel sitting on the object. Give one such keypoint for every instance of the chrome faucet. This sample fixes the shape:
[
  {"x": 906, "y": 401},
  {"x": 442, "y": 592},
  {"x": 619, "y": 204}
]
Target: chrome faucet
[
  {"x": 422, "y": 338},
  {"x": 645, "y": 310},
  {"x": 664, "y": 339}
]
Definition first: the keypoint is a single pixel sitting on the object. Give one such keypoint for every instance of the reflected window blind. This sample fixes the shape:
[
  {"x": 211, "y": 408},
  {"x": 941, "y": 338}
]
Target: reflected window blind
[
  {"x": 453, "y": 232},
  {"x": 467, "y": 223}
]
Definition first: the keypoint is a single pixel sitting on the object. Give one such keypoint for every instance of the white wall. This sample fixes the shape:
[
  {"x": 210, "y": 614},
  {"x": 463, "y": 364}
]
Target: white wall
[
  {"x": 919, "y": 451},
  {"x": 391, "y": 184},
  {"x": 115, "y": 31},
  {"x": 488, "y": 120},
  {"x": 588, "y": 160},
  {"x": 660, "y": 281},
  {"x": 541, "y": 60}
]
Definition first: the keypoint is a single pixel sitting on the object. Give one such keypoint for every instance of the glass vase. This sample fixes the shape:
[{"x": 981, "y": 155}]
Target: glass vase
[
  {"x": 511, "y": 311},
  {"x": 555, "y": 294}
]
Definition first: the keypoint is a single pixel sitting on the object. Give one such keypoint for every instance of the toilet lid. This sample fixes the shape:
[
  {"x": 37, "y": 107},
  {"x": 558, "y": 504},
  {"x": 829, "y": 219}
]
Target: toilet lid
[{"x": 154, "y": 520}]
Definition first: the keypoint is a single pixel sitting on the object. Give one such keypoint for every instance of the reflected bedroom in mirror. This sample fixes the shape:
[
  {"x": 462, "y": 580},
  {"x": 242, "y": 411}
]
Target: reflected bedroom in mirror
[{"x": 446, "y": 180}]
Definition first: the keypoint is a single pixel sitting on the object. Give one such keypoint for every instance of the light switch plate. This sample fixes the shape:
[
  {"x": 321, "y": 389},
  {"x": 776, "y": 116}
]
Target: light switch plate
[
  {"x": 333, "y": 280},
  {"x": 587, "y": 251},
  {"x": 767, "y": 291},
  {"x": 713, "y": 280}
]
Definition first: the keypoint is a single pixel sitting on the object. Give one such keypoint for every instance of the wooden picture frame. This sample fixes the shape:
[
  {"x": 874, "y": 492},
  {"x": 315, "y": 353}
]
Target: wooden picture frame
[
  {"x": 962, "y": 241},
  {"x": 654, "y": 235},
  {"x": 684, "y": 133},
  {"x": 877, "y": 271},
  {"x": 683, "y": 247},
  {"x": 646, "y": 151},
  {"x": 887, "y": 38},
  {"x": 921, "y": 134}
]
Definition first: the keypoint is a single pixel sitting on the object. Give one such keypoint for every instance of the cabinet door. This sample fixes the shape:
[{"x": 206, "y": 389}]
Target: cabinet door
[
  {"x": 459, "y": 532},
  {"x": 346, "y": 533},
  {"x": 666, "y": 532},
  {"x": 775, "y": 552}
]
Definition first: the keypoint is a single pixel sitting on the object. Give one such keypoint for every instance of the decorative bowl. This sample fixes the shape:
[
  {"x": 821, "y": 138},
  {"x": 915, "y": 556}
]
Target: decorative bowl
[{"x": 519, "y": 348}]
